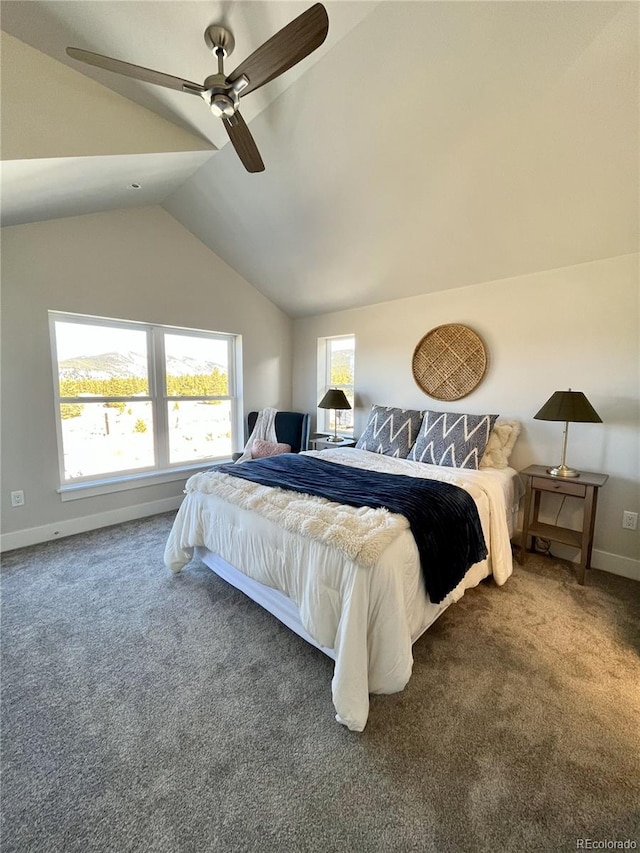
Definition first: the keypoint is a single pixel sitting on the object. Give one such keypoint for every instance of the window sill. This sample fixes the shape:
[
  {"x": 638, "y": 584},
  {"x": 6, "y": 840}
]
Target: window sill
[{"x": 75, "y": 491}]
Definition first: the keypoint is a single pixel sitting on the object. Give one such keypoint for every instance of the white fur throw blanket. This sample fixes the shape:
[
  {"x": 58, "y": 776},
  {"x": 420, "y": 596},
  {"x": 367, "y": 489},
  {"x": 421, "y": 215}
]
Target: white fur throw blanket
[
  {"x": 265, "y": 428},
  {"x": 360, "y": 533}
]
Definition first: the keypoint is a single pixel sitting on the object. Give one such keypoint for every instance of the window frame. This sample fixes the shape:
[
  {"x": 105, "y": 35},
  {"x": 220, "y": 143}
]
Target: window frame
[
  {"x": 324, "y": 383},
  {"x": 162, "y": 470}
]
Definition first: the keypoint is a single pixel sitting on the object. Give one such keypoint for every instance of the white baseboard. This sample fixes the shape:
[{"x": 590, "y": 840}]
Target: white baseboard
[
  {"x": 627, "y": 567},
  {"x": 47, "y": 532},
  {"x": 615, "y": 564}
]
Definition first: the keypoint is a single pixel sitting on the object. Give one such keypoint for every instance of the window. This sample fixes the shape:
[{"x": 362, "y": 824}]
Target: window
[
  {"x": 133, "y": 398},
  {"x": 336, "y": 358}
]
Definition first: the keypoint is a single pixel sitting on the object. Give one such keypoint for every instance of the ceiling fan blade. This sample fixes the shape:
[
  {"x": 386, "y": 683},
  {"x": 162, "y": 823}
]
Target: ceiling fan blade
[
  {"x": 243, "y": 142},
  {"x": 136, "y": 71},
  {"x": 284, "y": 50}
]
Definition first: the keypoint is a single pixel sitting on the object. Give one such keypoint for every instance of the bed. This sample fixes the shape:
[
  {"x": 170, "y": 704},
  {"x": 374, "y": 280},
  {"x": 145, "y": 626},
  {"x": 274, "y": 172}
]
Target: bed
[{"x": 348, "y": 580}]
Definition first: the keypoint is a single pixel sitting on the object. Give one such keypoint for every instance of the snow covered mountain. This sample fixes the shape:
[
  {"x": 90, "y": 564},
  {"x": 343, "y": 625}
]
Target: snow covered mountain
[{"x": 117, "y": 365}]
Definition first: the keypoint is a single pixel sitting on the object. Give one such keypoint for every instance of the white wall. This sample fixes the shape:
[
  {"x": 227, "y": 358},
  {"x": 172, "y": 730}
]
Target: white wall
[
  {"x": 71, "y": 115},
  {"x": 576, "y": 327},
  {"x": 137, "y": 265}
]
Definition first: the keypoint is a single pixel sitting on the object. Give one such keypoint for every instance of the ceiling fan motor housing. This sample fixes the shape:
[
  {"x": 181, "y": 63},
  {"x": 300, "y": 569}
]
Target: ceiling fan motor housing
[{"x": 223, "y": 99}]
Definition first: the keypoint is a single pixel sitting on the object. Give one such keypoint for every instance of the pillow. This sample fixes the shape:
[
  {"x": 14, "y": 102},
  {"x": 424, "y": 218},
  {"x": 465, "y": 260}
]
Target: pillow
[
  {"x": 260, "y": 448},
  {"x": 501, "y": 442},
  {"x": 390, "y": 431},
  {"x": 453, "y": 439}
]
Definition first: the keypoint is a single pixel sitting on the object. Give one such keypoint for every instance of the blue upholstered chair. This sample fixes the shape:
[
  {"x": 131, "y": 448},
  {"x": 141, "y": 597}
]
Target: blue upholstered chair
[{"x": 291, "y": 428}]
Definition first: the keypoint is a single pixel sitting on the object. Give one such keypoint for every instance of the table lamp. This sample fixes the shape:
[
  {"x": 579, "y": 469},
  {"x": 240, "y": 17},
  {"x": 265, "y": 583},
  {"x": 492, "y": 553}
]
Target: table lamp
[
  {"x": 335, "y": 398},
  {"x": 570, "y": 407}
]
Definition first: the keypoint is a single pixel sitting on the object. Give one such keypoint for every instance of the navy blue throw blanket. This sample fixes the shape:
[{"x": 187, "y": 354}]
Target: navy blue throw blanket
[{"x": 443, "y": 518}]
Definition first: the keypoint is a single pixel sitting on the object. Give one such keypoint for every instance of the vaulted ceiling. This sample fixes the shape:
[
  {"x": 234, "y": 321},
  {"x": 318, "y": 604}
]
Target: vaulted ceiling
[{"x": 425, "y": 146}]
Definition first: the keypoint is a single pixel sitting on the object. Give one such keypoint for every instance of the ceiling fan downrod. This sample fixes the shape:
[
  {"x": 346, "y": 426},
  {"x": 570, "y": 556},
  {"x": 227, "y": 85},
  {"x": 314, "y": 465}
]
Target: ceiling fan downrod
[{"x": 223, "y": 98}]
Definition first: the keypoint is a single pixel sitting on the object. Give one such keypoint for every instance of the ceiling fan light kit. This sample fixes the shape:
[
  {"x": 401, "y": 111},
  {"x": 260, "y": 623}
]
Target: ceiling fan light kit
[{"x": 222, "y": 93}]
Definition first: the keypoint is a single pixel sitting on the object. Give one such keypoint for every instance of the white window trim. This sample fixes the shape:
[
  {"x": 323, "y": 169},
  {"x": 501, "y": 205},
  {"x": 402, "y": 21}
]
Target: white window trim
[
  {"x": 324, "y": 383},
  {"x": 163, "y": 472},
  {"x": 74, "y": 491}
]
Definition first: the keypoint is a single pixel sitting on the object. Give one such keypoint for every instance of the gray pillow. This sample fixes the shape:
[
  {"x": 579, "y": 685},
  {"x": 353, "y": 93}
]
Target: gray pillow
[
  {"x": 390, "y": 431},
  {"x": 452, "y": 439}
]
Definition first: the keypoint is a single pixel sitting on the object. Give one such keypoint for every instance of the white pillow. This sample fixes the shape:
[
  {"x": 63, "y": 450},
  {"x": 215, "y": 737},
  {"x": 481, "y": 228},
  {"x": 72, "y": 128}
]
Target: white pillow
[{"x": 501, "y": 441}]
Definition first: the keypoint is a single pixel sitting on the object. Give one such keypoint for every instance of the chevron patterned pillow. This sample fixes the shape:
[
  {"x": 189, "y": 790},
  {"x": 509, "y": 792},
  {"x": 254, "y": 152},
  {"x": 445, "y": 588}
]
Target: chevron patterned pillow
[
  {"x": 453, "y": 439},
  {"x": 390, "y": 431}
]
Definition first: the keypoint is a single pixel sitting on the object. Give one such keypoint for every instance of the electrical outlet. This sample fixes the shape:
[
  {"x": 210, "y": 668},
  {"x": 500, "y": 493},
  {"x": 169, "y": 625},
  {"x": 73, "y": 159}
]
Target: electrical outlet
[
  {"x": 17, "y": 498},
  {"x": 630, "y": 520}
]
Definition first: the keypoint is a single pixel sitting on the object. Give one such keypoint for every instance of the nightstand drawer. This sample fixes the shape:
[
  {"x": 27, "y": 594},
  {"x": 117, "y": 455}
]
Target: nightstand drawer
[{"x": 560, "y": 486}]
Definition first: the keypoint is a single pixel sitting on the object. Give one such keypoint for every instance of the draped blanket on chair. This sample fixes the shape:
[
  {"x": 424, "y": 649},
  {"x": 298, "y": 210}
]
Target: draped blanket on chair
[{"x": 265, "y": 428}]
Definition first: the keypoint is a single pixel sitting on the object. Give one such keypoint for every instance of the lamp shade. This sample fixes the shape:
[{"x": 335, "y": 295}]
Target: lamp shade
[
  {"x": 569, "y": 406},
  {"x": 335, "y": 398}
]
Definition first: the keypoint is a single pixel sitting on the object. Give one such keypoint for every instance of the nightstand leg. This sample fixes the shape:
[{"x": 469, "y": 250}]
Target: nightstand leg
[
  {"x": 525, "y": 521},
  {"x": 588, "y": 526},
  {"x": 581, "y": 569}
]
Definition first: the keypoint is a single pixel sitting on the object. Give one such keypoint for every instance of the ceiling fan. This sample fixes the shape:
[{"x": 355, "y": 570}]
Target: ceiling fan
[{"x": 223, "y": 92}]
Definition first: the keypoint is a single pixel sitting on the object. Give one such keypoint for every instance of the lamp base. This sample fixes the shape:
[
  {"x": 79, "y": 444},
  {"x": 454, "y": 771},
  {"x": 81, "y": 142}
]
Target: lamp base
[
  {"x": 333, "y": 438},
  {"x": 563, "y": 471}
]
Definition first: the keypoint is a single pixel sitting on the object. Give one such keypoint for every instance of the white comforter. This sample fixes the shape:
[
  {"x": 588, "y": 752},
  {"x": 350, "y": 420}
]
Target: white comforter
[{"x": 369, "y": 615}]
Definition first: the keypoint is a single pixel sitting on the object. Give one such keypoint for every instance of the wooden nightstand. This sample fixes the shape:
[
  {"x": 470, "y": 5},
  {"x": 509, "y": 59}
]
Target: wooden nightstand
[
  {"x": 584, "y": 487},
  {"x": 323, "y": 443}
]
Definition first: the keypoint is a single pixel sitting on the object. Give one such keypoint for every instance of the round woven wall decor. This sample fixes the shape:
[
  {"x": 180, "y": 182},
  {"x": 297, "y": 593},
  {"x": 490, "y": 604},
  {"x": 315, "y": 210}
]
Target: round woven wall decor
[{"x": 449, "y": 362}]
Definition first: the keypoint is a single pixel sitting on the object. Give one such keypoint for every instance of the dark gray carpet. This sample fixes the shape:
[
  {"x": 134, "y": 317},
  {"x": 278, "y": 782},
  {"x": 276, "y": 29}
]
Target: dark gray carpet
[{"x": 147, "y": 712}]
